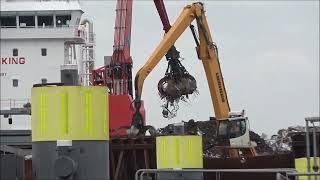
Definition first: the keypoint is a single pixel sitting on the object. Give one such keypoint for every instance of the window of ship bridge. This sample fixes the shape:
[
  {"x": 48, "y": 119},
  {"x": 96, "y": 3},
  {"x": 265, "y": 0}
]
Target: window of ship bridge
[
  {"x": 8, "y": 22},
  {"x": 26, "y": 21},
  {"x": 63, "y": 20},
  {"x": 45, "y": 21}
]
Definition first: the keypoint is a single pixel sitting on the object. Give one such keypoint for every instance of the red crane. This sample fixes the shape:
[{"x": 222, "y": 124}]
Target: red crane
[
  {"x": 163, "y": 14},
  {"x": 117, "y": 73}
]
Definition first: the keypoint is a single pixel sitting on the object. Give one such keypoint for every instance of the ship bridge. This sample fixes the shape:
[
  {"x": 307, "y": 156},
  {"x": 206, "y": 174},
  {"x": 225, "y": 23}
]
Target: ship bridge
[
  {"x": 41, "y": 19},
  {"x": 39, "y": 40}
]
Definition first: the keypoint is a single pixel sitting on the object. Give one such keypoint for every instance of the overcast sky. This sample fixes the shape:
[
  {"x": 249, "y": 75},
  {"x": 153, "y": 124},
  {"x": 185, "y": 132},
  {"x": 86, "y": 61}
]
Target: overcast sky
[{"x": 269, "y": 55}]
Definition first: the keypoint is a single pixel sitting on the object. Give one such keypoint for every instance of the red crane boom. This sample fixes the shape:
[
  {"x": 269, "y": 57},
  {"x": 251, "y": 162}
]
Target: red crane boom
[
  {"x": 117, "y": 73},
  {"x": 121, "y": 62},
  {"x": 163, "y": 15},
  {"x": 122, "y": 32}
]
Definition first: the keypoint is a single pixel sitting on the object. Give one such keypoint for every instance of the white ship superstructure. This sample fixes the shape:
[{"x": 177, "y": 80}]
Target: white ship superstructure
[{"x": 38, "y": 39}]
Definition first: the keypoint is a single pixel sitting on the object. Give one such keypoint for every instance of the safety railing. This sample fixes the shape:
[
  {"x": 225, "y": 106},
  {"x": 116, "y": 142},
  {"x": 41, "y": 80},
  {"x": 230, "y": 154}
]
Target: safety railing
[
  {"x": 42, "y": 26},
  {"x": 279, "y": 173},
  {"x": 297, "y": 176},
  {"x": 8, "y": 26},
  {"x": 10, "y": 107},
  {"x": 13, "y": 103},
  {"x": 77, "y": 32}
]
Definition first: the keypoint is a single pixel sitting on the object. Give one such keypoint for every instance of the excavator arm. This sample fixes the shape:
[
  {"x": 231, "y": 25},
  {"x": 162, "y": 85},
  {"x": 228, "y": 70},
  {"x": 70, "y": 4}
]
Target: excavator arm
[
  {"x": 232, "y": 127},
  {"x": 206, "y": 50}
]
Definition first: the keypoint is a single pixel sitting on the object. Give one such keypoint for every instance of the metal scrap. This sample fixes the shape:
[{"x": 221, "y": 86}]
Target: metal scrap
[
  {"x": 176, "y": 85},
  {"x": 208, "y": 131}
]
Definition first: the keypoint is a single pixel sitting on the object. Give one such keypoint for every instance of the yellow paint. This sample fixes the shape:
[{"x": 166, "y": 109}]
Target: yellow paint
[
  {"x": 301, "y": 166},
  {"x": 64, "y": 112},
  {"x": 179, "y": 152},
  {"x": 42, "y": 113},
  {"x": 88, "y": 106},
  {"x": 69, "y": 113},
  {"x": 105, "y": 119}
]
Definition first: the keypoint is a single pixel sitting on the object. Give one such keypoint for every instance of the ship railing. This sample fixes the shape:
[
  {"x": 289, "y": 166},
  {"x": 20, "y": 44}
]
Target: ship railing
[
  {"x": 8, "y": 26},
  {"x": 43, "y": 27},
  {"x": 13, "y": 103},
  {"x": 22, "y": 27},
  {"x": 26, "y": 27}
]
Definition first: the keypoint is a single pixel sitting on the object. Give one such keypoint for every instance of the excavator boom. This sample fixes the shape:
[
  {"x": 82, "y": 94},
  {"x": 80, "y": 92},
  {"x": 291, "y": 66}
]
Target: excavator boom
[
  {"x": 206, "y": 50},
  {"x": 232, "y": 127}
]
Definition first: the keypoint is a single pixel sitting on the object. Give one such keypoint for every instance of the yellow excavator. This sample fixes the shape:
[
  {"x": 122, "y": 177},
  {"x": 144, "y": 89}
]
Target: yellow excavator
[{"x": 232, "y": 127}]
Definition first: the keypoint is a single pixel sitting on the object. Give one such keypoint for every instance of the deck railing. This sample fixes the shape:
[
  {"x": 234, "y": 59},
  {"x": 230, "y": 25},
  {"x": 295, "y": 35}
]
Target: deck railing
[{"x": 13, "y": 103}]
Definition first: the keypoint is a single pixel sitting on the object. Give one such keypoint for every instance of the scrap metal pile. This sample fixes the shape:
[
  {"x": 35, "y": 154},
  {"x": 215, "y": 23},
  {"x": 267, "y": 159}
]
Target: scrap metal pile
[
  {"x": 208, "y": 131},
  {"x": 282, "y": 142},
  {"x": 278, "y": 144}
]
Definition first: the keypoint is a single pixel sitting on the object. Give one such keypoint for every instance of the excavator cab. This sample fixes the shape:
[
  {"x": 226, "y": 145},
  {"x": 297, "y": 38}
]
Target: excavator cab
[
  {"x": 234, "y": 138},
  {"x": 235, "y": 129},
  {"x": 232, "y": 128}
]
